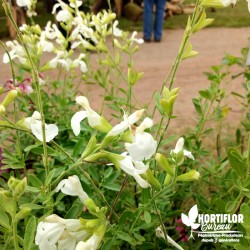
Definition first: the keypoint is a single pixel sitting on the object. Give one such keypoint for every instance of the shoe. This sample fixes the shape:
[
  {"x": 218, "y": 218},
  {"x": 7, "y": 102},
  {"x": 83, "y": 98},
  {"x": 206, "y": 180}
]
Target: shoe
[
  {"x": 147, "y": 40},
  {"x": 157, "y": 40}
]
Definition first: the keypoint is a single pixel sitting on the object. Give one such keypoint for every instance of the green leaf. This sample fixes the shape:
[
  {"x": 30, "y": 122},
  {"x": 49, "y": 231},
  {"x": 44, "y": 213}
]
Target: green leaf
[
  {"x": 4, "y": 220},
  {"x": 29, "y": 233},
  {"x": 50, "y": 177},
  {"x": 244, "y": 209},
  {"x": 147, "y": 217},
  {"x": 124, "y": 236},
  {"x": 205, "y": 94},
  {"x": 114, "y": 187},
  {"x": 139, "y": 237},
  {"x": 237, "y": 162},
  {"x": 108, "y": 244},
  {"x": 32, "y": 179},
  {"x": 79, "y": 147},
  {"x": 230, "y": 206},
  {"x": 197, "y": 106},
  {"x": 74, "y": 211},
  {"x": 31, "y": 206}
]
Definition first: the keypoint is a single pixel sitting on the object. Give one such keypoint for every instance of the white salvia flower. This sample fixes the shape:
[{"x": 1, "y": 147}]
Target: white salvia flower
[
  {"x": 116, "y": 31},
  {"x": 144, "y": 145},
  {"x": 91, "y": 244},
  {"x": 80, "y": 62},
  {"x": 45, "y": 45},
  {"x": 127, "y": 123},
  {"x": 30, "y": 4},
  {"x": 64, "y": 16},
  {"x": 17, "y": 51},
  {"x": 134, "y": 39},
  {"x": 134, "y": 168},
  {"x": 160, "y": 234},
  {"x": 56, "y": 233},
  {"x": 12, "y": 55},
  {"x": 75, "y": 4},
  {"x": 35, "y": 125},
  {"x": 49, "y": 31},
  {"x": 94, "y": 119},
  {"x": 179, "y": 147},
  {"x": 72, "y": 186},
  {"x": 228, "y": 2}
]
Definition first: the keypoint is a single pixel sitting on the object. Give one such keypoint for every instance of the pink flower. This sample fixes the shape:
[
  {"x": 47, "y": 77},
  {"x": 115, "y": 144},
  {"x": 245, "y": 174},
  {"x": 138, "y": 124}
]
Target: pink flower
[{"x": 25, "y": 89}]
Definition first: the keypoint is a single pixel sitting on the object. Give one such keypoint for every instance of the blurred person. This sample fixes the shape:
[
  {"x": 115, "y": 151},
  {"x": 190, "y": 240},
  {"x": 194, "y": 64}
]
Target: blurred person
[{"x": 148, "y": 19}]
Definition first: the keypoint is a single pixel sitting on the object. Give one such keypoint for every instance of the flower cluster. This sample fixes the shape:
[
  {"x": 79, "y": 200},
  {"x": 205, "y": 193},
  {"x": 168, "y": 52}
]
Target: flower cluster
[
  {"x": 141, "y": 147},
  {"x": 57, "y": 233}
]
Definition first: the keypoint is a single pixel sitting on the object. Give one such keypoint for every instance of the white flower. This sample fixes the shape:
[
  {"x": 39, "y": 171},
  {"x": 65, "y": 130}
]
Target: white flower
[
  {"x": 179, "y": 147},
  {"x": 56, "y": 233},
  {"x": 72, "y": 186},
  {"x": 35, "y": 125},
  {"x": 45, "y": 45},
  {"x": 23, "y": 3},
  {"x": 30, "y": 4},
  {"x": 80, "y": 62},
  {"x": 127, "y": 123},
  {"x": 134, "y": 39},
  {"x": 228, "y": 2},
  {"x": 159, "y": 233},
  {"x": 134, "y": 168},
  {"x": 91, "y": 244},
  {"x": 76, "y": 4},
  {"x": 144, "y": 145},
  {"x": 94, "y": 119},
  {"x": 17, "y": 51},
  {"x": 116, "y": 31},
  {"x": 64, "y": 16}
]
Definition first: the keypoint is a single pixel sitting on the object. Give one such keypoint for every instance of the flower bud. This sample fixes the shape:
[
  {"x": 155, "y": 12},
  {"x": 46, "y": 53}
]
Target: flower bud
[
  {"x": 17, "y": 186},
  {"x": 193, "y": 175},
  {"x": 22, "y": 214},
  {"x": 9, "y": 98},
  {"x": 6, "y": 201},
  {"x": 90, "y": 147},
  {"x": 167, "y": 179},
  {"x": 163, "y": 163},
  {"x": 110, "y": 17},
  {"x": 2, "y": 110},
  {"x": 151, "y": 179},
  {"x": 212, "y": 3}
]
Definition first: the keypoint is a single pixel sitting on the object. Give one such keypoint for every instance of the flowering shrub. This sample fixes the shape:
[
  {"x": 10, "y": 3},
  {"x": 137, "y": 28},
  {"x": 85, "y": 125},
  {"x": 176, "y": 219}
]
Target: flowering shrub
[{"x": 74, "y": 179}]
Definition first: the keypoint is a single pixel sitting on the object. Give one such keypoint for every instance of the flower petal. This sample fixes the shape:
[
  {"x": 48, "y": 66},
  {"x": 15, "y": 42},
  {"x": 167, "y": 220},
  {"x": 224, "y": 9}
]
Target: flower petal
[
  {"x": 76, "y": 120},
  {"x": 143, "y": 147}
]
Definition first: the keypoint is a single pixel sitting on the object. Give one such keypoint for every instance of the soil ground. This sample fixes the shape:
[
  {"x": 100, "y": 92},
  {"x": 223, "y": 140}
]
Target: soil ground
[{"x": 155, "y": 60}]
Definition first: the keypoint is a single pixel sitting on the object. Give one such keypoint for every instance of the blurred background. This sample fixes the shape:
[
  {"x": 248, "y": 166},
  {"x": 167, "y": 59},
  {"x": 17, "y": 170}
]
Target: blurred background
[{"x": 129, "y": 13}]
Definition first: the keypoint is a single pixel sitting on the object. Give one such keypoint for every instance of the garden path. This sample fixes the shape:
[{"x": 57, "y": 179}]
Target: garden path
[{"x": 155, "y": 60}]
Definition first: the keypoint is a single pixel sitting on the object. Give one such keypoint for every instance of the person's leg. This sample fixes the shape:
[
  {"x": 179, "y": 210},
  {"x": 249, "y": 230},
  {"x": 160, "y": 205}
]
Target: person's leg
[
  {"x": 147, "y": 19},
  {"x": 159, "y": 19}
]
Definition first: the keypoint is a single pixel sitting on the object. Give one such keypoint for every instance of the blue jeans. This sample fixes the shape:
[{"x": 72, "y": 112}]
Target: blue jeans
[{"x": 148, "y": 18}]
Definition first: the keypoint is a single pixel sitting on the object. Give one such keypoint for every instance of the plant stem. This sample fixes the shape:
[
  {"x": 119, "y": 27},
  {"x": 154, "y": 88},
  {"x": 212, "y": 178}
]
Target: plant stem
[
  {"x": 14, "y": 224},
  {"x": 117, "y": 197},
  {"x": 146, "y": 205}
]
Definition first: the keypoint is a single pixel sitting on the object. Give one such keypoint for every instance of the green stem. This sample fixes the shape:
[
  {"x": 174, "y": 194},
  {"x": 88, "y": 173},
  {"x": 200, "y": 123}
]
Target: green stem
[
  {"x": 14, "y": 225},
  {"x": 186, "y": 36},
  {"x": 161, "y": 222},
  {"x": 146, "y": 205}
]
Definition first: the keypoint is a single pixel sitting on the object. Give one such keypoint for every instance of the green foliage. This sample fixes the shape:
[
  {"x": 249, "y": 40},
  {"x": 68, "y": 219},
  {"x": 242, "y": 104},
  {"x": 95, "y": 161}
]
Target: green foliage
[{"x": 82, "y": 176}]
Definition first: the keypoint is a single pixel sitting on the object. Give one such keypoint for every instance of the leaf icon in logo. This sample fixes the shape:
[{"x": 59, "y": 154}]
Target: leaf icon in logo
[{"x": 190, "y": 219}]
